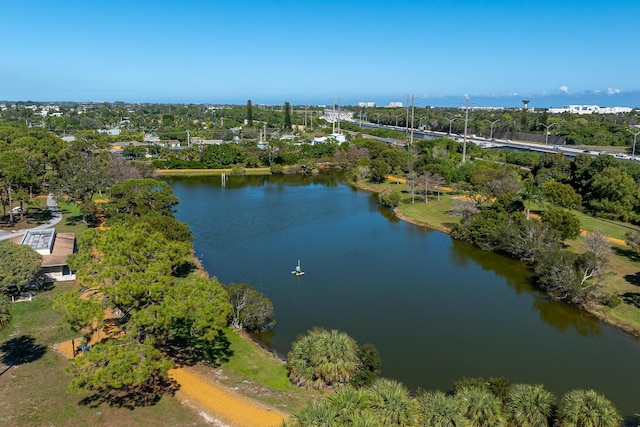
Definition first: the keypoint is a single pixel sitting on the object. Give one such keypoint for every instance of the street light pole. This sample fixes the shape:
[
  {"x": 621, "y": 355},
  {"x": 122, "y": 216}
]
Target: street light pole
[
  {"x": 450, "y": 122},
  {"x": 635, "y": 136},
  {"x": 421, "y": 117},
  {"x": 492, "y": 123},
  {"x": 546, "y": 136},
  {"x": 398, "y": 115}
]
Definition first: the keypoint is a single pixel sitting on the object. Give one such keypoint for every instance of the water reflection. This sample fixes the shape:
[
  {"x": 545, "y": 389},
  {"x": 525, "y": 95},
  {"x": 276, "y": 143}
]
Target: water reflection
[
  {"x": 559, "y": 315},
  {"x": 566, "y": 318},
  {"x": 437, "y": 309}
]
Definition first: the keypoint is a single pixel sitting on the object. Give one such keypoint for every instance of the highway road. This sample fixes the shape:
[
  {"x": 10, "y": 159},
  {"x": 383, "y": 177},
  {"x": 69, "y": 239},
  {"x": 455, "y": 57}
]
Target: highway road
[{"x": 497, "y": 143}]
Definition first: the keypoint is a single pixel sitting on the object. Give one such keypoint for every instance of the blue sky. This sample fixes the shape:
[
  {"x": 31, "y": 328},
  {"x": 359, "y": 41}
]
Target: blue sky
[{"x": 315, "y": 51}]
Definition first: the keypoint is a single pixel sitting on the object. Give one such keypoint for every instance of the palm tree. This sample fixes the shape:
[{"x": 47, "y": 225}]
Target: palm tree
[
  {"x": 391, "y": 403},
  {"x": 440, "y": 410},
  {"x": 530, "y": 193},
  {"x": 322, "y": 359},
  {"x": 349, "y": 402},
  {"x": 481, "y": 407},
  {"x": 317, "y": 414},
  {"x": 529, "y": 405},
  {"x": 586, "y": 408}
]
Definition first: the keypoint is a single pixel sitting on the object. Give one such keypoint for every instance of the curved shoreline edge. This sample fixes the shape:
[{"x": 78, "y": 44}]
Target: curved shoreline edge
[{"x": 596, "y": 312}]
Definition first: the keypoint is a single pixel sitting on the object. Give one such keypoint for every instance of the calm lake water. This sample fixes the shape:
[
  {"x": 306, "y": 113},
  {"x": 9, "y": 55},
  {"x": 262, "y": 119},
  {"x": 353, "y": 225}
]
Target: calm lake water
[{"x": 436, "y": 309}]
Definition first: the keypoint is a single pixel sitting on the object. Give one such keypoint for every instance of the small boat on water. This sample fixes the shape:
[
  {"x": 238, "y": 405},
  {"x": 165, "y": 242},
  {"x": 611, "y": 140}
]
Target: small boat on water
[{"x": 298, "y": 271}]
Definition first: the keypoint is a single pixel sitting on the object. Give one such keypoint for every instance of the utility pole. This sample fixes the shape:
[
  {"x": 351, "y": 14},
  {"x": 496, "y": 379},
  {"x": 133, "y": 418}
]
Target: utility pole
[
  {"x": 338, "y": 115},
  {"x": 412, "y": 117},
  {"x": 466, "y": 121},
  {"x": 406, "y": 122}
]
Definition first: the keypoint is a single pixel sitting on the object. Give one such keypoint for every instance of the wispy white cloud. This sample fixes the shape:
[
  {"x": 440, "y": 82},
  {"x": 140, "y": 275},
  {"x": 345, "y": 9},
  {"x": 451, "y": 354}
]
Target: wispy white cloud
[
  {"x": 564, "y": 89},
  {"x": 612, "y": 91}
]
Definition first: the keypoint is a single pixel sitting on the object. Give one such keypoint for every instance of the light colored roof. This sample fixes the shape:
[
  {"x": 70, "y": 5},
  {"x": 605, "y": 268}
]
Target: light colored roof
[{"x": 40, "y": 240}]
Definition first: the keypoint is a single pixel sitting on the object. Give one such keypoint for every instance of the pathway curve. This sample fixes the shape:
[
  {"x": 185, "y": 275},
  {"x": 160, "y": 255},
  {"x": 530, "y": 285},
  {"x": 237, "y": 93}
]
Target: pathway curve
[{"x": 56, "y": 217}]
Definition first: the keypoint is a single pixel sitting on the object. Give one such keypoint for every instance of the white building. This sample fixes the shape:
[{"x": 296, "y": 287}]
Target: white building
[
  {"x": 589, "y": 109},
  {"x": 334, "y": 137},
  {"x": 395, "y": 105},
  {"x": 367, "y": 104}
]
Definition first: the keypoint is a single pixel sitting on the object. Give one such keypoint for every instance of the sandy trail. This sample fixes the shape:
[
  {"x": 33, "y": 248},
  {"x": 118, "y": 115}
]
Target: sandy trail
[{"x": 222, "y": 405}]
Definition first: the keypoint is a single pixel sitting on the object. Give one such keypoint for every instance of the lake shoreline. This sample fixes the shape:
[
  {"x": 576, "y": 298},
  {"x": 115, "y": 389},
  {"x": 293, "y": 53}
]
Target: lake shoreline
[{"x": 596, "y": 312}]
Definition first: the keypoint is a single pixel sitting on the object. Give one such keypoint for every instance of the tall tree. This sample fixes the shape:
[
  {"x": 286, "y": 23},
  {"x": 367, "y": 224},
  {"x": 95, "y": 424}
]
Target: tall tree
[
  {"x": 81, "y": 176},
  {"x": 287, "y": 115},
  {"x": 249, "y": 113},
  {"x": 13, "y": 175},
  {"x": 140, "y": 197},
  {"x": 132, "y": 270},
  {"x": 250, "y": 310}
]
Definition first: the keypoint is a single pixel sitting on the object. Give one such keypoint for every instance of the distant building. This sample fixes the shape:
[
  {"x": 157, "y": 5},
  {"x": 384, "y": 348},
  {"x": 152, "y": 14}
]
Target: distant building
[
  {"x": 110, "y": 132},
  {"x": 395, "y": 105},
  {"x": 367, "y": 104},
  {"x": 589, "y": 109},
  {"x": 337, "y": 137}
]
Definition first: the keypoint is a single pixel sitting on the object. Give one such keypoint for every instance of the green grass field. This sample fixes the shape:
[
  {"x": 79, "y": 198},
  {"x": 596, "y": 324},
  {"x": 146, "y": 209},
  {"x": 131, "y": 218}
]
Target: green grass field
[{"x": 261, "y": 375}]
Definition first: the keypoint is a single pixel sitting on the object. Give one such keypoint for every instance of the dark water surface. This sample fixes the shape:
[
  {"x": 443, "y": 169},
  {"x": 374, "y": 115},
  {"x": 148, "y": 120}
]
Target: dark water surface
[{"x": 436, "y": 309}]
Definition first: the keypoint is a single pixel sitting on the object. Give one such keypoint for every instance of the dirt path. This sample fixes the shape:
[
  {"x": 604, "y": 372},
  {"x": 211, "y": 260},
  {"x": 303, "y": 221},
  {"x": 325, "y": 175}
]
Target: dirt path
[{"x": 221, "y": 405}]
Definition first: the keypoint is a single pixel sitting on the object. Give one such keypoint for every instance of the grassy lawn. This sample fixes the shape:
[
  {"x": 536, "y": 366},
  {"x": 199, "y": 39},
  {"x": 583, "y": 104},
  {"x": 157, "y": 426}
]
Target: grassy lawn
[
  {"x": 609, "y": 227},
  {"x": 433, "y": 214},
  {"x": 261, "y": 375},
  {"x": 71, "y": 219},
  {"x": 33, "y": 381}
]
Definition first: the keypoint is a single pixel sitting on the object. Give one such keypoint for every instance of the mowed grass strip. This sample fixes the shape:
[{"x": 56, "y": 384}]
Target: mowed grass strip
[{"x": 261, "y": 375}]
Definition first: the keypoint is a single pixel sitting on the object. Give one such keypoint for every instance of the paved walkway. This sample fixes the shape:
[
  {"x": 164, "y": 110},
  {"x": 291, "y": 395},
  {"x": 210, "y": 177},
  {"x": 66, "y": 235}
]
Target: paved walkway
[{"x": 56, "y": 217}]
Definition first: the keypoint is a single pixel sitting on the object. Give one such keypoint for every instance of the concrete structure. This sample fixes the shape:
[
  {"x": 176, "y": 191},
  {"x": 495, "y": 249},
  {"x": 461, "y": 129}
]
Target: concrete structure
[
  {"x": 367, "y": 104},
  {"x": 54, "y": 248}
]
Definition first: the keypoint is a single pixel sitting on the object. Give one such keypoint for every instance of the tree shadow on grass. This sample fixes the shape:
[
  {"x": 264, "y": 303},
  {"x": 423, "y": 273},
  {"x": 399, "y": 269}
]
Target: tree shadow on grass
[
  {"x": 20, "y": 350},
  {"x": 188, "y": 352},
  {"x": 39, "y": 216},
  {"x": 628, "y": 253},
  {"x": 147, "y": 394},
  {"x": 633, "y": 279},
  {"x": 631, "y": 298}
]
